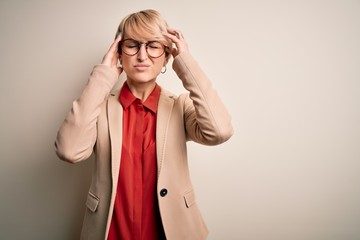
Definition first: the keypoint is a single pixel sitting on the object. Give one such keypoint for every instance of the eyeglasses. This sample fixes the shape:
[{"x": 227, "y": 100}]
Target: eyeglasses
[{"x": 131, "y": 47}]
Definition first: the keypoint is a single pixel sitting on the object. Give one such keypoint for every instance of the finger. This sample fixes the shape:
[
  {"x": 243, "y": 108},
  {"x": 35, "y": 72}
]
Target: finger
[
  {"x": 174, "y": 52},
  {"x": 179, "y": 35},
  {"x": 114, "y": 59},
  {"x": 176, "y": 32},
  {"x": 114, "y": 46},
  {"x": 118, "y": 39},
  {"x": 112, "y": 54},
  {"x": 171, "y": 30},
  {"x": 172, "y": 37}
]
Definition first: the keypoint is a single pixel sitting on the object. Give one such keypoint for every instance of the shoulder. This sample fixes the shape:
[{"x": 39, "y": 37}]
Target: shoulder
[
  {"x": 167, "y": 95},
  {"x": 179, "y": 102}
]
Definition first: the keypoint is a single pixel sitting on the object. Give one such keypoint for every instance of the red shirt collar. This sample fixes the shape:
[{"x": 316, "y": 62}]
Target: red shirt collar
[{"x": 126, "y": 98}]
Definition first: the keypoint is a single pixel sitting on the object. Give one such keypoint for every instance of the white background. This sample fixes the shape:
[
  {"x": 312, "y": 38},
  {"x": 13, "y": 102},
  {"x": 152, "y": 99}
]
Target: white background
[{"x": 289, "y": 72}]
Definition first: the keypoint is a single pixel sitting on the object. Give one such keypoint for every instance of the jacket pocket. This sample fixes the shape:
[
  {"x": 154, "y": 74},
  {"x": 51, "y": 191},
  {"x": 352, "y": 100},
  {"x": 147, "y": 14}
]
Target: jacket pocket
[
  {"x": 92, "y": 202},
  {"x": 189, "y": 198}
]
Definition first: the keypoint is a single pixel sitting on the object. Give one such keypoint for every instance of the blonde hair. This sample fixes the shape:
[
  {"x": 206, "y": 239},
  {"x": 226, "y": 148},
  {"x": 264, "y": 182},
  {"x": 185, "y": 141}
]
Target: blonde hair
[{"x": 144, "y": 26}]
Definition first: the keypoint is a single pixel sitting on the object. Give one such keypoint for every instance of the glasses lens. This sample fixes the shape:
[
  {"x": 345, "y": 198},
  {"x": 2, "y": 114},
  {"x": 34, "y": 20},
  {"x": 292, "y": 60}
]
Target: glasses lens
[
  {"x": 131, "y": 47},
  {"x": 155, "y": 49}
]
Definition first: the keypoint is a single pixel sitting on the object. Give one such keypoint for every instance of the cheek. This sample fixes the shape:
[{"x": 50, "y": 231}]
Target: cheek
[
  {"x": 160, "y": 63},
  {"x": 157, "y": 67},
  {"x": 122, "y": 59},
  {"x": 125, "y": 62}
]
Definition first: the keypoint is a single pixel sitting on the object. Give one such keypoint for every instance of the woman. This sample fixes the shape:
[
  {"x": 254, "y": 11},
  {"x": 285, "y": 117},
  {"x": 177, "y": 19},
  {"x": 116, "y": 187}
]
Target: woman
[{"x": 141, "y": 187}]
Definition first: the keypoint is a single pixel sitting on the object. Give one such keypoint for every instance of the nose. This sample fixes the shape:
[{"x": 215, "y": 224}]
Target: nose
[{"x": 142, "y": 54}]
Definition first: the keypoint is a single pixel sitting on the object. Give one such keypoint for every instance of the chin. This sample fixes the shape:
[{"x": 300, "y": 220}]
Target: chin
[{"x": 142, "y": 77}]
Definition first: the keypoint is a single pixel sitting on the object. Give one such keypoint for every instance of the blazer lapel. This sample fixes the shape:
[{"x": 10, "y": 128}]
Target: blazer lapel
[
  {"x": 115, "y": 113},
  {"x": 165, "y": 107}
]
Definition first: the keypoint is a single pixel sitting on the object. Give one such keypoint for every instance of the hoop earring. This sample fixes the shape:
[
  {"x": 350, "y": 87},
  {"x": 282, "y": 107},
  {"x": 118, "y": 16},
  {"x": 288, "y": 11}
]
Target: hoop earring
[{"x": 164, "y": 71}]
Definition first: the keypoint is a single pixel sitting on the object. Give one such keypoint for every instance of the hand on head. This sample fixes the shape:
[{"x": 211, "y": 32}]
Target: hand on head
[
  {"x": 111, "y": 57},
  {"x": 178, "y": 39}
]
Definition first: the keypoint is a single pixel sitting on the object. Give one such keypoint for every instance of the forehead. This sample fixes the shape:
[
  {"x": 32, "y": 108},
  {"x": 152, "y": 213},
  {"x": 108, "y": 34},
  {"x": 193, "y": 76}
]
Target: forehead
[
  {"x": 137, "y": 39},
  {"x": 143, "y": 33},
  {"x": 141, "y": 38}
]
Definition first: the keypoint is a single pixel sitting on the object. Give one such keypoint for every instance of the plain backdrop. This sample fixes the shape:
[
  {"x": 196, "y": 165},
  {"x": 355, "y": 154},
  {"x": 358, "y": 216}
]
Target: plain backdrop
[{"x": 289, "y": 72}]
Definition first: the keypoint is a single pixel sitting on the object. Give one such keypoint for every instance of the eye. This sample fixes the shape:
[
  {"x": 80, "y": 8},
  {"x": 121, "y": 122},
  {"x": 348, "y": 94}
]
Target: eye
[
  {"x": 154, "y": 45},
  {"x": 131, "y": 44}
]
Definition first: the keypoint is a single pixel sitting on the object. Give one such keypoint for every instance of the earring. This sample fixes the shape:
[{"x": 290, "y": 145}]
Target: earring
[{"x": 164, "y": 71}]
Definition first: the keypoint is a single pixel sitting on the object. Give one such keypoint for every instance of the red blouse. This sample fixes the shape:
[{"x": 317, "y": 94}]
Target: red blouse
[{"x": 136, "y": 212}]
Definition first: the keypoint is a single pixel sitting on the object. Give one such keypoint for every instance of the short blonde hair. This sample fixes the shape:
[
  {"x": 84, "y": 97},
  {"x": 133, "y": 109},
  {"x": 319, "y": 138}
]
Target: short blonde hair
[{"x": 145, "y": 25}]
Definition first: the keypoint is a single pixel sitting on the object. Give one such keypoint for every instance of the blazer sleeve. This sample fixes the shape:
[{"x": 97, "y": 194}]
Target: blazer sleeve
[
  {"x": 77, "y": 135},
  {"x": 207, "y": 120}
]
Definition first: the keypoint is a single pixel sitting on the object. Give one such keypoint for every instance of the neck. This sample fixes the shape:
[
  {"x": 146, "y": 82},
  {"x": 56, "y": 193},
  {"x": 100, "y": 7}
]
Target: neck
[{"x": 141, "y": 90}]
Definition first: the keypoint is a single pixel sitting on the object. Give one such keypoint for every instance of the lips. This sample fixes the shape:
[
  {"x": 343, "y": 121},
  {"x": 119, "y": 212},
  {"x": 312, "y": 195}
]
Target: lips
[{"x": 141, "y": 66}]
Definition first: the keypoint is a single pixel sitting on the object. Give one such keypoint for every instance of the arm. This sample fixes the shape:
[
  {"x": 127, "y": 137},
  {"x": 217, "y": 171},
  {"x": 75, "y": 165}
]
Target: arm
[
  {"x": 77, "y": 135},
  {"x": 207, "y": 120}
]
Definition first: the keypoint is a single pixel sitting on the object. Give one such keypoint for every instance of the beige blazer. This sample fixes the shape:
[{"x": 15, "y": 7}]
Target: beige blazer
[{"x": 94, "y": 124}]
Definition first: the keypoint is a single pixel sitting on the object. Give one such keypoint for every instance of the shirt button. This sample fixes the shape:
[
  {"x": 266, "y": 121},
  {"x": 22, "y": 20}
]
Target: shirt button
[{"x": 163, "y": 192}]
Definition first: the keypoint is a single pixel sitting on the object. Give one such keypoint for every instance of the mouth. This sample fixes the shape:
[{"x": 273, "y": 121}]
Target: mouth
[{"x": 141, "y": 66}]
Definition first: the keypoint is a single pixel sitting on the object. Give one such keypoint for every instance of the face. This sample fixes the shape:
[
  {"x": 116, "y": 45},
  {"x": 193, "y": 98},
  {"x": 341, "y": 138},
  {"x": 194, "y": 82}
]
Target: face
[{"x": 141, "y": 67}]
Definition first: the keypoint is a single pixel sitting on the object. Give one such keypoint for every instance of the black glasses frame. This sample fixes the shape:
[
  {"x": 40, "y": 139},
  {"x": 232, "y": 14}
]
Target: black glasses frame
[{"x": 141, "y": 43}]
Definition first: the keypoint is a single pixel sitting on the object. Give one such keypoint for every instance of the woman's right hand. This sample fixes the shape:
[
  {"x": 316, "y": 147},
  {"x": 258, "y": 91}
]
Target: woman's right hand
[{"x": 111, "y": 58}]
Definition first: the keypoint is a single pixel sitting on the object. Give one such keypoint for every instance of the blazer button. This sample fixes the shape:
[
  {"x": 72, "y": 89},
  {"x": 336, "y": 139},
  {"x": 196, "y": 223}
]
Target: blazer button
[{"x": 163, "y": 192}]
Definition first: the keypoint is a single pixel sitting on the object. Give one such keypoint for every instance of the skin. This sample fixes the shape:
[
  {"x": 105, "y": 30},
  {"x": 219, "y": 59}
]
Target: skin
[{"x": 142, "y": 70}]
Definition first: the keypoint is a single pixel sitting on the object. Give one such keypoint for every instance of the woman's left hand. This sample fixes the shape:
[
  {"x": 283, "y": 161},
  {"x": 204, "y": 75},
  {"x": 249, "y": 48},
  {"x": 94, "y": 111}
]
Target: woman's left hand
[{"x": 176, "y": 37}]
